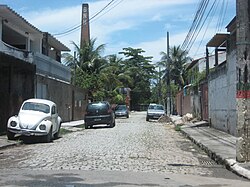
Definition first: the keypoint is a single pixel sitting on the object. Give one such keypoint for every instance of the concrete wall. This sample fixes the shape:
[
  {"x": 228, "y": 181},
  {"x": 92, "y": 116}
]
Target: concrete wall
[
  {"x": 51, "y": 68},
  {"x": 71, "y": 101},
  {"x": 222, "y": 96},
  {"x": 196, "y": 106}
]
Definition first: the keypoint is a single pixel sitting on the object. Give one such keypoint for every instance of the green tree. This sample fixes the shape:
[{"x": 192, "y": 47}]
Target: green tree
[
  {"x": 86, "y": 66},
  {"x": 175, "y": 66},
  {"x": 174, "y": 73},
  {"x": 139, "y": 69}
]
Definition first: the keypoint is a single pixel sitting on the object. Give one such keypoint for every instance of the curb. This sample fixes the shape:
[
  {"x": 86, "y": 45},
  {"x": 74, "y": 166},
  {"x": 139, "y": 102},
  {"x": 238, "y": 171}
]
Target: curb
[
  {"x": 230, "y": 164},
  {"x": 9, "y": 145},
  {"x": 234, "y": 166}
]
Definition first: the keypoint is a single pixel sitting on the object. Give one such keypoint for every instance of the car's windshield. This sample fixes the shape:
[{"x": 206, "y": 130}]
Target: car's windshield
[
  {"x": 155, "y": 107},
  {"x": 36, "y": 107}
]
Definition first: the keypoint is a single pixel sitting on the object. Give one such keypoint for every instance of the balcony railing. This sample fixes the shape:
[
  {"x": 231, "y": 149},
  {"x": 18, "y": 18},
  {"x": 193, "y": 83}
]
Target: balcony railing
[
  {"x": 17, "y": 53},
  {"x": 44, "y": 65},
  {"x": 51, "y": 68}
]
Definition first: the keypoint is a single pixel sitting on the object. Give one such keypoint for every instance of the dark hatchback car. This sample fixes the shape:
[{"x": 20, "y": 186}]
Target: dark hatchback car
[
  {"x": 121, "y": 111},
  {"x": 99, "y": 113}
]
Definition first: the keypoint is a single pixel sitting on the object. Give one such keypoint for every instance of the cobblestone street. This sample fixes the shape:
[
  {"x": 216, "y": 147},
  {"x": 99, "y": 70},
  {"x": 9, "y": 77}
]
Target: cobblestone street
[{"x": 132, "y": 145}]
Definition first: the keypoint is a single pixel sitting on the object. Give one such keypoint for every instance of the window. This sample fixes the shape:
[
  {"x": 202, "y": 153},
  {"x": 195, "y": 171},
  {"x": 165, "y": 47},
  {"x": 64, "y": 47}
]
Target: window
[
  {"x": 53, "y": 110},
  {"x": 36, "y": 107}
]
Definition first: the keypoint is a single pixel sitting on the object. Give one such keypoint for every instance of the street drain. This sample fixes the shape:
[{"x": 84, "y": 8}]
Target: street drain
[
  {"x": 180, "y": 165},
  {"x": 207, "y": 162}
]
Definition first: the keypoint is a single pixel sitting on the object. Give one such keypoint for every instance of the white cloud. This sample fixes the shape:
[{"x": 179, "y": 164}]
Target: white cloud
[
  {"x": 55, "y": 20},
  {"x": 153, "y": 48},
  {"x": 127, "y": 15}
]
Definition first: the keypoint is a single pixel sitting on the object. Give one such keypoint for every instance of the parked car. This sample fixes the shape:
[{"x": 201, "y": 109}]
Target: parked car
[
  {"x": 121, "y": 111},
  {"x": 36, "y": 117},
  {"x": 99, "y": 113},
  {"x": 155, "y": 111}
]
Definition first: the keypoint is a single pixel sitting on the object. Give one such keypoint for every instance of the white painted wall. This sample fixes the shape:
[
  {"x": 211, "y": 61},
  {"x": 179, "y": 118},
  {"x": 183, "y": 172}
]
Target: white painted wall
[
  {"x": 222, "y": 97},
  {"x": 202, "y": 61},
  {"x": 1, "y": 28}
]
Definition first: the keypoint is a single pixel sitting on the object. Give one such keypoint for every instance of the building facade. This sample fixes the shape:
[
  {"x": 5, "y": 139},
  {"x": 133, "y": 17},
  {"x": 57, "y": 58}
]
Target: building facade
[{"x": 30, "y": 66}]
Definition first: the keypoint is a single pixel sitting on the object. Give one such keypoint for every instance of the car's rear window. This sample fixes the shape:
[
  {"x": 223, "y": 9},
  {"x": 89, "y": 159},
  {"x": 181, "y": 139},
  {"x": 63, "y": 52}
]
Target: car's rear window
[{"x": 97, "y": 106}]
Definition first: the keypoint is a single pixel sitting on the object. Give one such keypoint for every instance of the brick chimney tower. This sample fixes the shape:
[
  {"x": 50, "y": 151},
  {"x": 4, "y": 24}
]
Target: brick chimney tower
[{"x": 85, "y": 34}]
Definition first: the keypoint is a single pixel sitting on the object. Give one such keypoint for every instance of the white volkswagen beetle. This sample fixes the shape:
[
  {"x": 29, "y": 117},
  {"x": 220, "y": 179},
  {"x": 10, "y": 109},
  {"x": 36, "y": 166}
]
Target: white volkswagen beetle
[{"x": 37, "y": 117}]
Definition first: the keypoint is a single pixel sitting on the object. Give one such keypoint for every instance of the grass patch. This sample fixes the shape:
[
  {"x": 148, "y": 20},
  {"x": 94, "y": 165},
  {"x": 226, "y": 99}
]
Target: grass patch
[
  {"x": 80, "y": 126},
  {"x": 178, "y": 127},
  {"x": 64, "y": 131}
]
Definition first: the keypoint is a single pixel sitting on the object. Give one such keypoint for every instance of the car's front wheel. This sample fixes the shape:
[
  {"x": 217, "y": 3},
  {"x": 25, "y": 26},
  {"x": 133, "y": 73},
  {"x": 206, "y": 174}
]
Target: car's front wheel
[
  {"x": 10, "y": 135},
  {"x": 48, "y": 137},
  {"x": 57, "y": 133},
  {"x": 112, "y": 124}
]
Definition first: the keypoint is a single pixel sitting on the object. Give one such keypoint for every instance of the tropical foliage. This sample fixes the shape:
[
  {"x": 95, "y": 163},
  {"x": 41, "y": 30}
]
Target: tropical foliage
[
  {"x": 175, "y": 65},
  {"x": 103, "y": 76},
  {"x": 141, "y": 71},
  {"x": 174, "y": 75}
]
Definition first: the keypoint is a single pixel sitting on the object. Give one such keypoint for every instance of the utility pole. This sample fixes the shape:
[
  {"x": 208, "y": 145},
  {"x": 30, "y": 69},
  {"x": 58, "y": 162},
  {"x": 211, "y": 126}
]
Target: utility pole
[
  {"x": 159, "y": 85},
  {"x": 243, "y": 80},
  {"x": 74, "y": 82},
  {"x": 168, "y": 79}
]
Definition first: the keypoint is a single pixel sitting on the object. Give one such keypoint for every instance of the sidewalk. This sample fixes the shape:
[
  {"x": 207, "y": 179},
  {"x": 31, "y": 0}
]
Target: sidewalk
[{"x": 219, "y": 145}]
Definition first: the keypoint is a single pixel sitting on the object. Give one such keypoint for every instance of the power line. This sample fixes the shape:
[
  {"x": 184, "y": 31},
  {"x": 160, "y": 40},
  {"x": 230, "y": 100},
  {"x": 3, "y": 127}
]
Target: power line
[
  {"x": 115, "y": 5},
  {"x": 222, "y": 14},
  {"x": 211, "y": 18},
  {"x": 200, "y": 19},
  {"x": 196, "y": 22},
  {"x": 188, "y": 49},
  {"x": 79, "y": 25}
]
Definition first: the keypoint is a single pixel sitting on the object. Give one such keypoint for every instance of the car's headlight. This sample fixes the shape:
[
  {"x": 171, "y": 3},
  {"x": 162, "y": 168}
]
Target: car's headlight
[
  {"x": 13, "y": 123},
  {"x": 42, "y": 127}
]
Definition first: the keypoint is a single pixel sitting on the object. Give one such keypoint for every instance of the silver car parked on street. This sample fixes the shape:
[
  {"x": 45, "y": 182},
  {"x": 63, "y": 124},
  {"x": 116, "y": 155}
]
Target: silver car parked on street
[{"x": 155, "y": 111}]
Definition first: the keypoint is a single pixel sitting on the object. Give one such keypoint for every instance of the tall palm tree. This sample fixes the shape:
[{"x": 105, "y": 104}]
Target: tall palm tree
[
  {"x": 88, "y": 58},
  {"x": 175, "y": 65},
  {"x": 86, "y": 64},
  {"x": 110, "y": 72}
]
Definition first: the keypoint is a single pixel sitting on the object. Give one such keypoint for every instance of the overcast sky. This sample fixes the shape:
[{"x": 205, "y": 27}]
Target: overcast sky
[{"x": 128, "y": 23}]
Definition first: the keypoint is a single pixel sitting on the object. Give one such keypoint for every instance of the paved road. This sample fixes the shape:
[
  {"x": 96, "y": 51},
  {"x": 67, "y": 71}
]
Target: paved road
[{"x": 132, "y": 145}]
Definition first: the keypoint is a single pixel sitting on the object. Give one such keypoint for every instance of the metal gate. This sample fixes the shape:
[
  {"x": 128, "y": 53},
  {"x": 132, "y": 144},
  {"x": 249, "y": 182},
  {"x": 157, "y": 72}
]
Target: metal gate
[
  {"x": 204, "y": 101},
  {"x": 16, "y": 83}
]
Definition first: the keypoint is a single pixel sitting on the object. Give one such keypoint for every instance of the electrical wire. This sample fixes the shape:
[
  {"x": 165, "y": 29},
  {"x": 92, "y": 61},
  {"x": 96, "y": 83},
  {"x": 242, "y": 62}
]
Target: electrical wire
[
  {"x": 201, "y": 19},
  {"x": 79, "y": 25},
  {"x": 196, "y": 22},
  {"x": 192, "y": 26},
  {"x": 220, "y": 20},
  {"x": 197, "y": 25},
  {"x": 108, "y": 10},
  {"x": 210, "y": 20},
  {"x": 222, "y": 15},
  {"x": 212, "y": 7}
]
